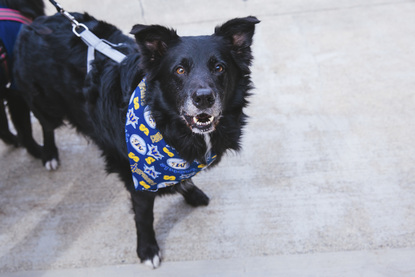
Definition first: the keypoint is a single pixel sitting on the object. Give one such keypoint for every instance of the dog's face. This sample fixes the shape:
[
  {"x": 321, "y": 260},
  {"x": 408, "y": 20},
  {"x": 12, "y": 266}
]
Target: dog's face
[
  {"x": 197, "y": 76},
  {"x": 197, "y": 73}
]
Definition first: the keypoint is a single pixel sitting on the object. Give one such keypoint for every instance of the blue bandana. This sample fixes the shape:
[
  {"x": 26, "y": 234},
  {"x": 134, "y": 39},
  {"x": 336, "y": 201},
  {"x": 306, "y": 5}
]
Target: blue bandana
[
  {"x": 9, "y": 30},
  {"x": 154, "y": 164}
]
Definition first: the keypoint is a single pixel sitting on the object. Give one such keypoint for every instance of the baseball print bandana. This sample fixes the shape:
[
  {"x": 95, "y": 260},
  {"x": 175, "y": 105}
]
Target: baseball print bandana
[{"x": 154, "y": 163}]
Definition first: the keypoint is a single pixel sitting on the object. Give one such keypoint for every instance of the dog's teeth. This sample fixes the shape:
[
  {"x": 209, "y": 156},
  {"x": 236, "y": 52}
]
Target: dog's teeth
[{"x": 198, "y": 122}]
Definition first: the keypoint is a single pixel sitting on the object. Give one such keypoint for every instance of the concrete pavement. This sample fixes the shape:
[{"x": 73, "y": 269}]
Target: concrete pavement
[{"x": 324, "y": 186}]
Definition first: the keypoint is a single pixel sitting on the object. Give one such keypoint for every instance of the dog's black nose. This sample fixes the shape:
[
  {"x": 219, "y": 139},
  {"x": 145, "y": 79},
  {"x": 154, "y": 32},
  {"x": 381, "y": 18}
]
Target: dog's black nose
[{"x": 203, "y": 98}]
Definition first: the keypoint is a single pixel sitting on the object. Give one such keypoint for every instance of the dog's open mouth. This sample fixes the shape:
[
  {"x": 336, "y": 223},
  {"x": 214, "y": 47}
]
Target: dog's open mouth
[{"x": 201, "y": 123}]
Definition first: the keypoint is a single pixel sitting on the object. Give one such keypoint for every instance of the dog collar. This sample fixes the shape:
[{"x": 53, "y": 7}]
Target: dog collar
[
  {"x": 9, "y": 29},
  {"x": 13, "y": 15},
  {"x": 154, "y": 164}
]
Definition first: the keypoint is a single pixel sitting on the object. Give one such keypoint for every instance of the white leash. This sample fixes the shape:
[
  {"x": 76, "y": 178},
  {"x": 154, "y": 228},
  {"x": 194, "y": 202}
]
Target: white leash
[
  {"x": 91, "y": 40},
  {"x": 95, "y": 43}
]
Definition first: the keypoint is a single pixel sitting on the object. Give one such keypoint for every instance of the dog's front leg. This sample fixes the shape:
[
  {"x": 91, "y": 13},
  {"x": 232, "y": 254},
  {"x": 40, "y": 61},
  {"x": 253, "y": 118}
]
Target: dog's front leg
[{"x": 147, "y": 248}]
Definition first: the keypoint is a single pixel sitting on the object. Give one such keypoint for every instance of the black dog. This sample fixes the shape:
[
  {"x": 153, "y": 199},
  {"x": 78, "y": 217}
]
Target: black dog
[
  {"x": 196, "y": 91},
  {"x": 14, "y": 13}
]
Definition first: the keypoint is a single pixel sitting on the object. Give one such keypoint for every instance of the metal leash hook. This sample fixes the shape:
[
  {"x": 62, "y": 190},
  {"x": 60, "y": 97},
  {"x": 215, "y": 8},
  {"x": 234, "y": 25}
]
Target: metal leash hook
[{"x": 75, "y": 24}]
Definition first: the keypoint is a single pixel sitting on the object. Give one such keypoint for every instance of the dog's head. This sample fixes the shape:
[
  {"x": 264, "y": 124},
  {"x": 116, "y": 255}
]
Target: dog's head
[{"x": 196, "y": 78}]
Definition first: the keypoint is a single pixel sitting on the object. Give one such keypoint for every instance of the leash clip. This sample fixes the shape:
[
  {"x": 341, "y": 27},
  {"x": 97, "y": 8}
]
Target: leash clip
[{"x": 76, "y": 26}]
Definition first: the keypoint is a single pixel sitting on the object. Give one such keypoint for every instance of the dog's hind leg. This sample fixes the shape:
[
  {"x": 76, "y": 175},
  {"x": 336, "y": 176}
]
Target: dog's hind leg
[
  {"x": 20, "y": 115},
  {"x": 192, "y": 194},
  {"x": 147, "y": 248},
  {"x": 5, "y": 133},
  {"x": 49, "y": 123},
  {"x": 50, "y": 156}
]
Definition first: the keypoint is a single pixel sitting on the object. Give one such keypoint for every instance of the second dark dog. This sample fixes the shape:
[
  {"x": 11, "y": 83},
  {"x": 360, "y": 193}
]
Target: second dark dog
[
  {"x": 13, "y": 14},
  {"x": 195, "y": 92}
]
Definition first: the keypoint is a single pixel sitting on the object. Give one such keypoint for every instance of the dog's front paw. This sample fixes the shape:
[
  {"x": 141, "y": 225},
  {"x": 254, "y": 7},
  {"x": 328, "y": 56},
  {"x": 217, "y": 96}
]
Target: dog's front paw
[
  {"x": 149, "y": 254},
  {"x": 52, "y": 164},
  {"x": 196, "y": 197},
  {"x": 153, "y": 262}
]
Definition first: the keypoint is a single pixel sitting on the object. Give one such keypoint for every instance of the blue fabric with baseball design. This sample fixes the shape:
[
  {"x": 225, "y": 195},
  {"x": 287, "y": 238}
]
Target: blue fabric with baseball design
[{"x": 154, "y": 163}]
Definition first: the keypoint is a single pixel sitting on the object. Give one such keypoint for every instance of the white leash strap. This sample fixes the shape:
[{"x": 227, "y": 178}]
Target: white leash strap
[
  {"x": 95, "y": 43},
  {"x": 90, "y": 57},
  {"x": 90, "y": 39}
]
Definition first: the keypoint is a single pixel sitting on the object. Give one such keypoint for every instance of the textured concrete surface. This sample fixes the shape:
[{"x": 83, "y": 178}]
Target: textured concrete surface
[{"x": 325, "y": 184}]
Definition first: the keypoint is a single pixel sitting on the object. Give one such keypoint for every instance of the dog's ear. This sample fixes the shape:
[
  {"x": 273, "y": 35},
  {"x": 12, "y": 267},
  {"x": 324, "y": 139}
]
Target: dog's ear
[
  {"x": 153, "y": 39},
  {"x": 239, "y": 30},
  {"x": 239, "y": 33}
]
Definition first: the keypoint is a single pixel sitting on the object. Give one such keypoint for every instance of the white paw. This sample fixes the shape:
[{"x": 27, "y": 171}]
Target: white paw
[
  {"x": 153, "y": 263},
  {"x": 52, "y": 164}
]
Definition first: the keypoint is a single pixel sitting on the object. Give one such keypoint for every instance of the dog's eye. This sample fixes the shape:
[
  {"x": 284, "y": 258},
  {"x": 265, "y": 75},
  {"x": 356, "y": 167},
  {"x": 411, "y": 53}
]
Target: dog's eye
[
  {"x": 219, "y": 68},
  {"x": 180, "y": 70}
]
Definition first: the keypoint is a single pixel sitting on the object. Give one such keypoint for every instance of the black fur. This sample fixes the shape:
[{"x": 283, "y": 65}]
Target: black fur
[
  {"x": 18, "y": 109},
  {"x": 53, "y": 78}
]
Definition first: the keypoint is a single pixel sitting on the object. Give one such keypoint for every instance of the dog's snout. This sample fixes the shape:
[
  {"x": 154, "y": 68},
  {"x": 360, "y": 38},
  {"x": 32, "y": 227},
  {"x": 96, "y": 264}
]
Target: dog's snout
[{"x": 203, "y": 98}]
